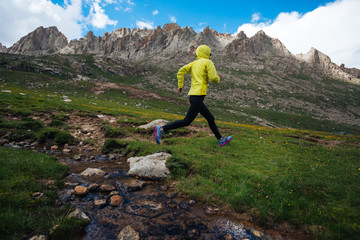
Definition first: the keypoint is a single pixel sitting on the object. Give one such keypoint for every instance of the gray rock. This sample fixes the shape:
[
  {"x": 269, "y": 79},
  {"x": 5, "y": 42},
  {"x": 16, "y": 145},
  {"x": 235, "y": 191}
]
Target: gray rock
[
  {"x": 93, "y": 172},
  {"x": 151, "y": 166},
  {"x": 38, "y": 237},
  {"x": 154, "y": 123},
  {"x": 128, "y": 233},
  {"x": 100, "y": 203},
  {"x": 79, "y": 215}
]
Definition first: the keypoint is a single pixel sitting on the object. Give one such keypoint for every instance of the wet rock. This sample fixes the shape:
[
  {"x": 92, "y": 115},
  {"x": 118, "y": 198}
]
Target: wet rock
[
  {"x": 228, "y": 236},
  {"x": 116, "y": 200},
  {"x": 151, "y": 125},
  {"x": 37, "y": 195},
  {"x": 212, "y": 211},
  {"x": 100, "y": 203},
  {"x": 93, "y": 172},
  {"x": 113, "y": 193},
  {"x": 128, "y": 233},
  {"x": 134, "y": 185},
  {"x": 101, "y": 158},
  {"x": 79, "y": 215},
  {"x": 4, "y": 141},
  {"x": 66, "y": 150},
  {"x": 38, "y": 237},
  {"x": 151, "y": 166},
  {"x": 93, "y": 187},
  {"x": 81, "y": 191},
  {"x": 256, "y": 233},
  {"x": 54, "y": 148},
  {"x": 107, "y": 188}
]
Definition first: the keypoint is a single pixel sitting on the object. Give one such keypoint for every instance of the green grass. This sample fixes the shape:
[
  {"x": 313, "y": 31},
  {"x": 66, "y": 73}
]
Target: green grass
[
  {"x": 23, "y": 173},
  {"x": 272, "y": 176}
]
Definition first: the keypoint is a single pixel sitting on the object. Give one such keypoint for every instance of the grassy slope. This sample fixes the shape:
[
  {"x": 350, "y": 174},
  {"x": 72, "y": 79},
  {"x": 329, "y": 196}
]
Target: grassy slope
[{"x": 303, "y": 177}]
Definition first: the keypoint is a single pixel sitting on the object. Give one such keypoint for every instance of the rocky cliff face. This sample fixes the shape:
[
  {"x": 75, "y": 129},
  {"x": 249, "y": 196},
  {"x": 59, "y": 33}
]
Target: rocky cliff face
[
  {"x": 176, "y": 45},
  {"x": 3, "y": 48},
  {"x": 318, "y": 59},
  {"x": 42, "y": 41}
]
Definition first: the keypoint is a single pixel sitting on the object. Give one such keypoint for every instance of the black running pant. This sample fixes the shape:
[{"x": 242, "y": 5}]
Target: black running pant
[{"x": 197, "y": 106}]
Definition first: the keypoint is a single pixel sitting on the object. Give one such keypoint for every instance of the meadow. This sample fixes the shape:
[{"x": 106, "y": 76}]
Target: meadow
[{"x": 305, "y": 178}]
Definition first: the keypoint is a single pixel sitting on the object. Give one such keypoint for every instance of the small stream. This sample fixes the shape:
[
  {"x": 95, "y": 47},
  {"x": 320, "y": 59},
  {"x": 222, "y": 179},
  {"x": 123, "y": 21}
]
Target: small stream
[{"x": 153, "y": 209}]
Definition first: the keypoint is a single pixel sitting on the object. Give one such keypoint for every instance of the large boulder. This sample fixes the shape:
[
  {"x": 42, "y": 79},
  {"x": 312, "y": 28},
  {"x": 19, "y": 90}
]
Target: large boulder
[
  {"x": 151, "y": 166},
  {"x": 151, "y": 125}
]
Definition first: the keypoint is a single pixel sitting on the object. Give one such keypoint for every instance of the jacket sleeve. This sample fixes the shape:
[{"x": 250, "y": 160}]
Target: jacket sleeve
[
  {"x": 181, "y": 73},
  {"x": 212, "y": 74}
]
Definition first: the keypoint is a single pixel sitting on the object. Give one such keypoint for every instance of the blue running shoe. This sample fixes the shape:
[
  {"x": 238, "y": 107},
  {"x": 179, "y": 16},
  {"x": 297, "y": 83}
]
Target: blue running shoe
[
  {"x": 158, "y": 134},
  {"x": 224, "y": 140}
]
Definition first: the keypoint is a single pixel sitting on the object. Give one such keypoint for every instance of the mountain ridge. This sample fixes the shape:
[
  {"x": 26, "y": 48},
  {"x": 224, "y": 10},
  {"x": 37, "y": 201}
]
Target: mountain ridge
[{"x": 175, "y": 44}]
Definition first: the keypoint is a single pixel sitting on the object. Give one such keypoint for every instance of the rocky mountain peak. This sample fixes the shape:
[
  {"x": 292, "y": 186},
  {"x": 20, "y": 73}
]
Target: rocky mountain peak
[
  {"x": 40, "y": 42},
  {"x": 3, "y": 48},
  {"x": 169, "y": 27}
]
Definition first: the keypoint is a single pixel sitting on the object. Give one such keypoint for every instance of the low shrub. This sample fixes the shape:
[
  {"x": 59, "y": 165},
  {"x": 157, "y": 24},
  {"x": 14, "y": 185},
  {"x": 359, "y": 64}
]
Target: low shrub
[{"x": 112, "y": 145}]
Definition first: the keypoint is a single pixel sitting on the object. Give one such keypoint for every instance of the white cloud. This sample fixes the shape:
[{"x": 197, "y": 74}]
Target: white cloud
[
  {"x": 255, "y": 17},
  {"x": 173, "y": 19},
  {"x": 19, "y": 17},
  {"x": 145, "y": 24},
  {"x": 97, "y": 16},
  {"x": 332, "y": 29},
  {"x": 155, "y": 12}
]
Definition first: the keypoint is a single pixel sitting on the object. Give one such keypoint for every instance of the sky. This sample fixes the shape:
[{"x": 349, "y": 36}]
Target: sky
[{"x": 331, "y": 26}]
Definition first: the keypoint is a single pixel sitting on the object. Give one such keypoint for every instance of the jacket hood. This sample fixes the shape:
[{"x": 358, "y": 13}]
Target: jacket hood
[{"x": 203, "y": 51}]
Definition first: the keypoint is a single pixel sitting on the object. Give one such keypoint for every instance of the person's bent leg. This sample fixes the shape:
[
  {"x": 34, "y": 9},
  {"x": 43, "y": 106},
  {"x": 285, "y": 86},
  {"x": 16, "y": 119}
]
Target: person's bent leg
[
  {"x": 205, "y": 112},
  {"x": 196, "y": 103}
]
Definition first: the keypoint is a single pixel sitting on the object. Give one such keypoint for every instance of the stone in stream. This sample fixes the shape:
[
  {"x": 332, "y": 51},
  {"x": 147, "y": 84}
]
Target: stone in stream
[
  {"x": 79, "y": 215},
  {"x": 93, "y": 187},
  {"x": 38, "y": 237},
  {"x": 151, "y": 166},
  {"x": 81, "y": 191},
  {"x": 128, "y": 233},
  {"x": 107, "y": 188},
  {"x": 100, "y": 203},
  {"x": 93, "y": 172},
  {"x": 116, "y": 200}
]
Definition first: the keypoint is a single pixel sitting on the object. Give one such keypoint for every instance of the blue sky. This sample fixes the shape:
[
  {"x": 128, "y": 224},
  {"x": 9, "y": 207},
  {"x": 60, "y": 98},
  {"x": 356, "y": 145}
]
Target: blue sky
[{"x": 328, "y": 25}]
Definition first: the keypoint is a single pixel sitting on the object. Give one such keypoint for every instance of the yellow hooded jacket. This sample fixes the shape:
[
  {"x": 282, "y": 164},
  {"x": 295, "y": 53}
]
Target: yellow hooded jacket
[{"x": 202, "y": 70}]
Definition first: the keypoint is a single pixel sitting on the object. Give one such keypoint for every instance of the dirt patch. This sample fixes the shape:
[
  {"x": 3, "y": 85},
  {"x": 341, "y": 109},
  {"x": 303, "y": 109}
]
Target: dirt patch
[{"x": 138, "y": 93}]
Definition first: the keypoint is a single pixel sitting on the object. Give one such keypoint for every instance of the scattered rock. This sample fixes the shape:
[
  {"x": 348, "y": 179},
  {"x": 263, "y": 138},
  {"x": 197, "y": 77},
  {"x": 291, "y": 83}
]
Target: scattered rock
[
  {"x": 54, "y": 148},
  {"x": 116, "y": 200},
  {"x": 77, "y": 157},
  {"x": 81, "y": 191},
  {"x": 100, "y": 116},
  {"x": 151, "y": 166},
  {"x": 93, "y": 172},
  {"x": 93, "y": 187},
  {"x": 100, "y": 203},
  {"x": 38, "y": 237},
  {"x": 151, "y": 125},
  {"x": 128, "y": 233},
  {"x": 134, "y": 185},
  {"x": 37, "y": 195},
  {"x": 66, "y": 150},
  {"x": 113, "y": 193},
  {"x": 107, "y": 188},
  {"x": 6, "y": 91},
  {"x": 79, "y": 215},
  {"x": 212, "y": 211}
]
